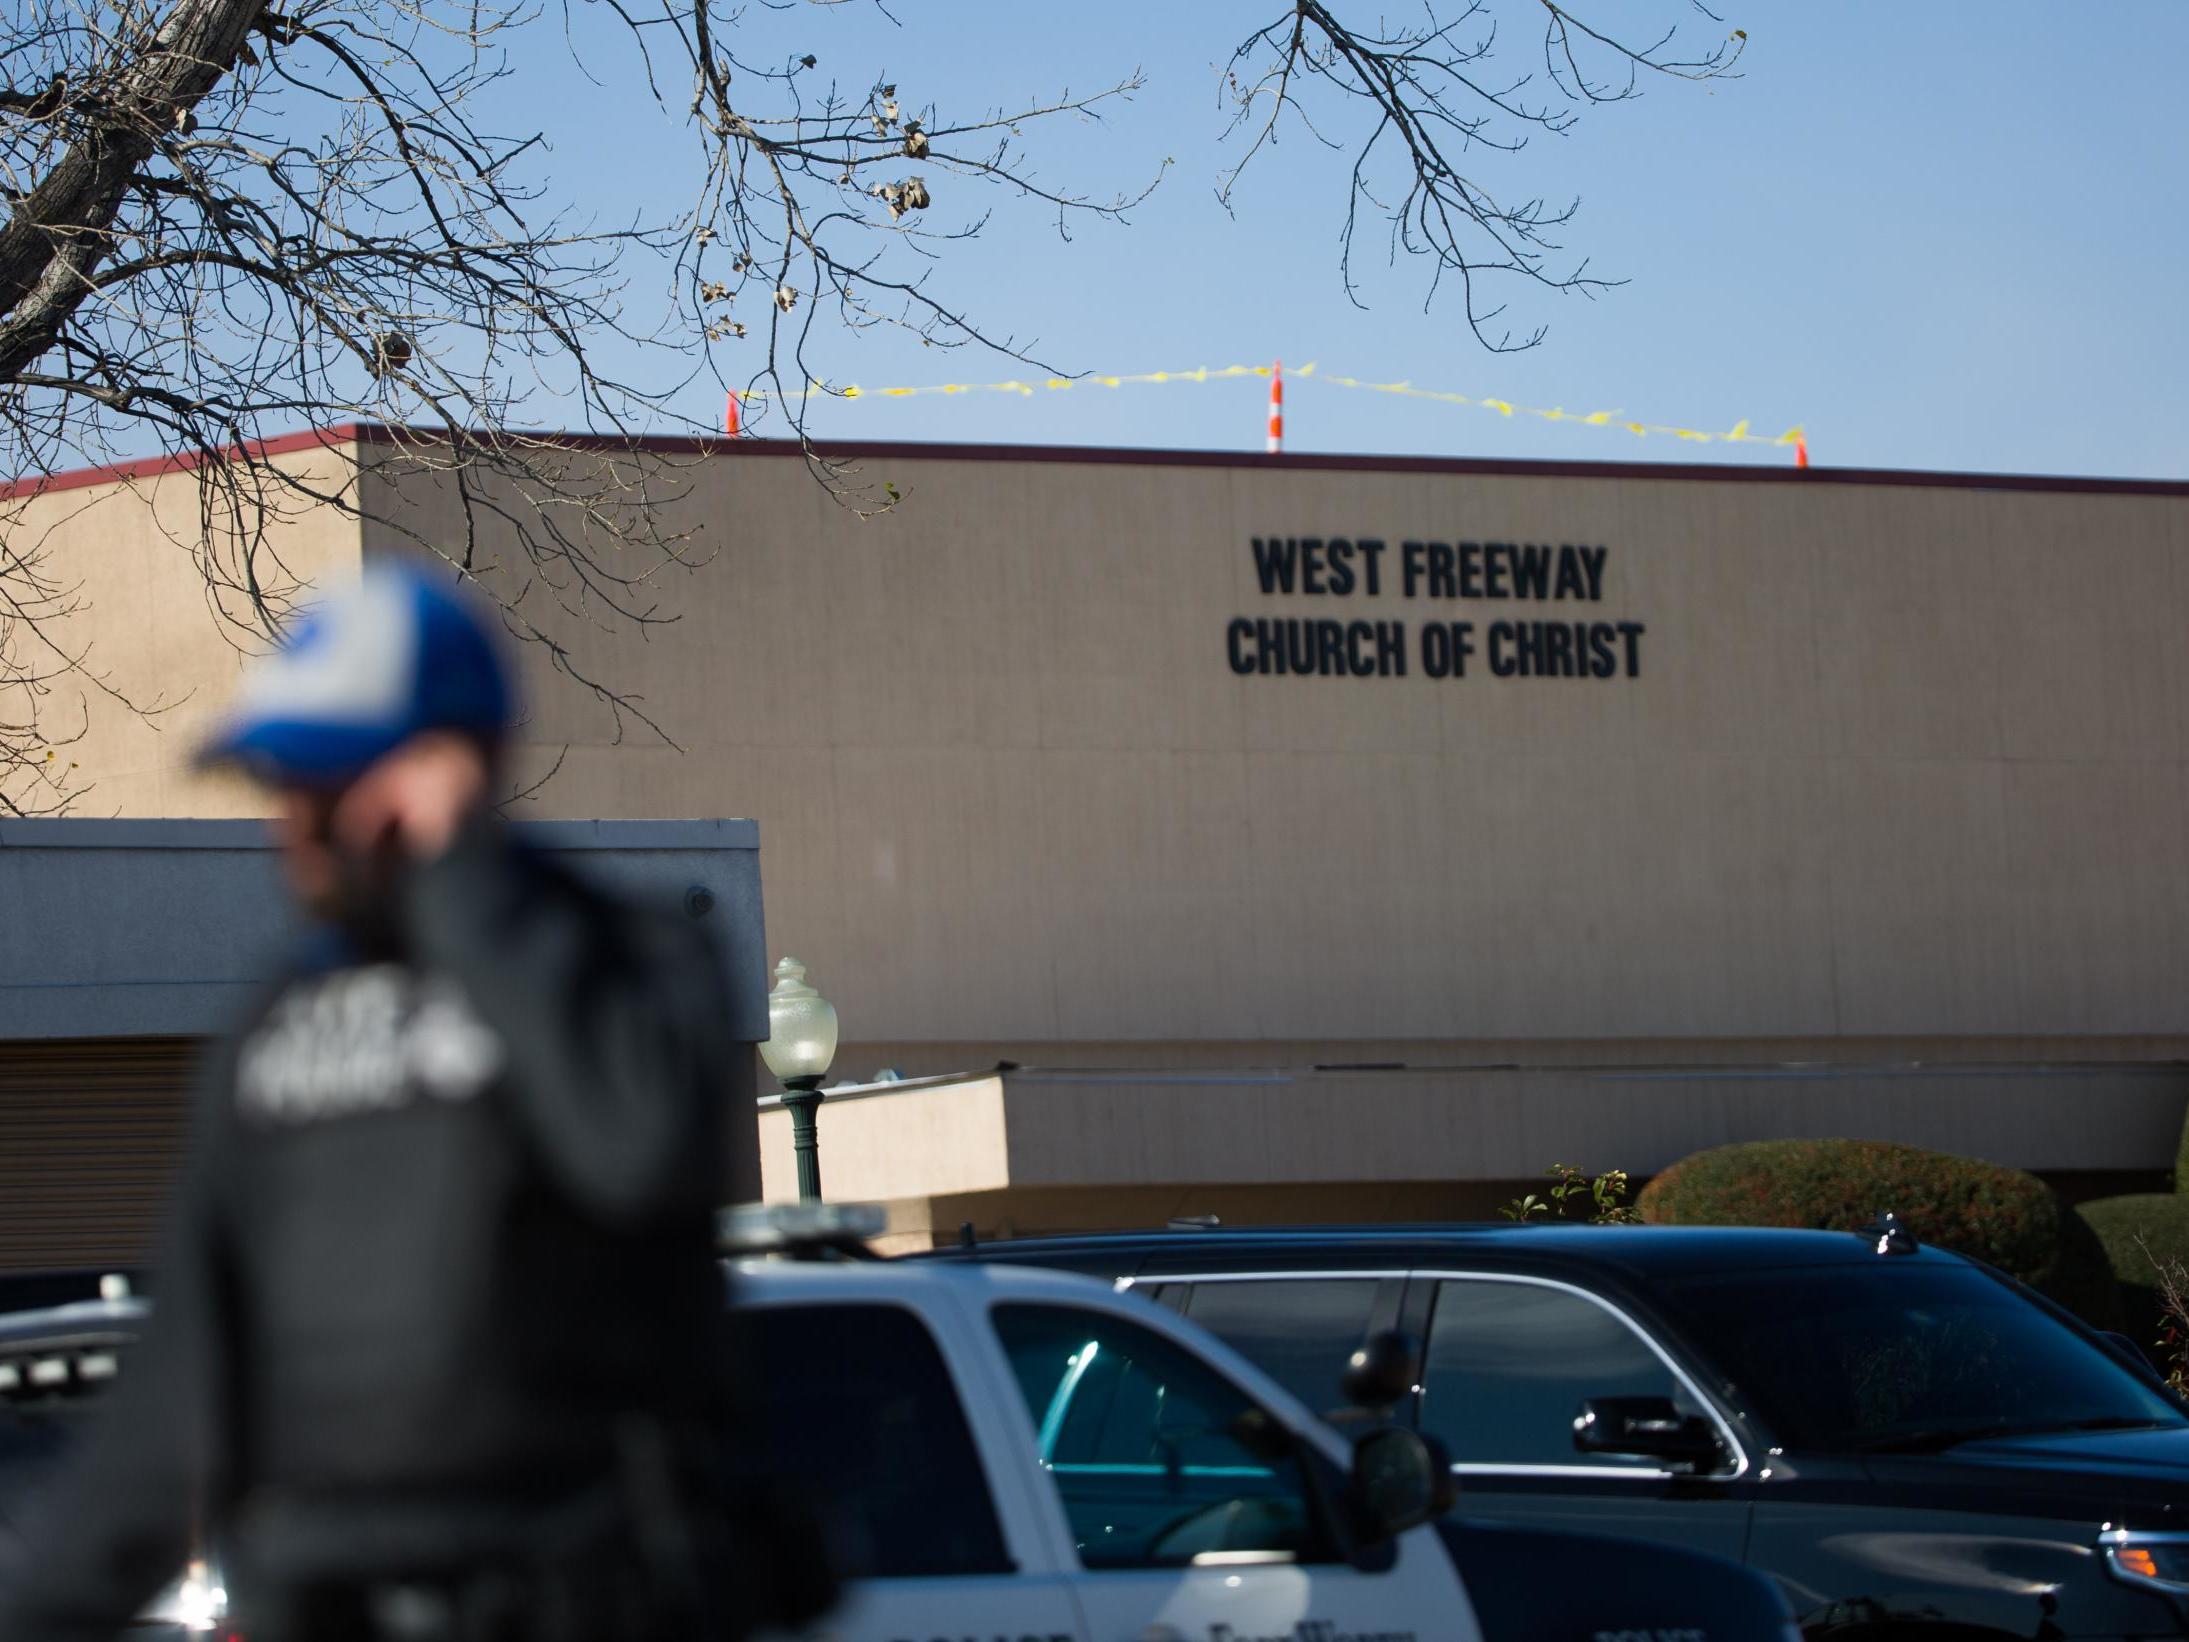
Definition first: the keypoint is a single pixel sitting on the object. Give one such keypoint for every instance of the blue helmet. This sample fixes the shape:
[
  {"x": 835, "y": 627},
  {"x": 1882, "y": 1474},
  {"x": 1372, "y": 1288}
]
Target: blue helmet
[{"x": 362, "y": 672}]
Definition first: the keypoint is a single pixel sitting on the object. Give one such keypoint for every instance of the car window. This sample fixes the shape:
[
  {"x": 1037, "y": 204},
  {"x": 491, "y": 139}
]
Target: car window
[
  {"x": 1157, "y": 1457},
  {"x": 1510, "y": 1363},
  {"x": 856, "y": 1403},
  {"x": 1893, "y": 1355},
  {"x": 1298, "y": 1331}
]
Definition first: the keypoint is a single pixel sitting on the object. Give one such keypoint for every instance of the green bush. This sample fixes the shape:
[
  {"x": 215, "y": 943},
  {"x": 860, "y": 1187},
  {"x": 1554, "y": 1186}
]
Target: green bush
[
  {"x": 2083, "y": 1278},
  {"x": 2161, "y": 1219},
  {"x": 2004, "y": 1216}
]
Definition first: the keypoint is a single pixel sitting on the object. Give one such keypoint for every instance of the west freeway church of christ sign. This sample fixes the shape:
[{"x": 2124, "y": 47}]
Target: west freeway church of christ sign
[{"x": 1567, "y": 640}]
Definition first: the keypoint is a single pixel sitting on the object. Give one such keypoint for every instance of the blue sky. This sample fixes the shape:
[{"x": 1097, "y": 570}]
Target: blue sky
[{"x": 1937, "y": 235}]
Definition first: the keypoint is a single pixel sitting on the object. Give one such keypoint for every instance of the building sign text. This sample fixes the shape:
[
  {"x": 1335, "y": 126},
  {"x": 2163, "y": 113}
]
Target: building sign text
[{"x": 1341, "y": 567}]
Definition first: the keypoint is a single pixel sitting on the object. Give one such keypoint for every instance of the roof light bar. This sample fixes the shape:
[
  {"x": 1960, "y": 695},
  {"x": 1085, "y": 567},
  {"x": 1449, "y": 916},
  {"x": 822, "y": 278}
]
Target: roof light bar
[{"x": 799, "y": 1229}]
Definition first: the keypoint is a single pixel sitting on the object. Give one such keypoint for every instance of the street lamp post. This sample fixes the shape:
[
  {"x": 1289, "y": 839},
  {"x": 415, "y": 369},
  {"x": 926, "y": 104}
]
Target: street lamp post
[{"x": 801, "y": 1043}]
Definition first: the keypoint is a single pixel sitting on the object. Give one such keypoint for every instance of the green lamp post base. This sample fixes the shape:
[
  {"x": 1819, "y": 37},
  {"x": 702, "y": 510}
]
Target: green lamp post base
[{"x": 802, "y": 1099}]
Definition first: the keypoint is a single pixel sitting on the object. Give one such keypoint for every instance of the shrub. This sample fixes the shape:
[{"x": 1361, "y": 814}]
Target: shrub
[
  {"x": 2173, "y": 1330},
  {"x": 2161, "y": 1221},
  {"x": 2004, "y": 1216},
  {"x": 1574, "y": 1194}
]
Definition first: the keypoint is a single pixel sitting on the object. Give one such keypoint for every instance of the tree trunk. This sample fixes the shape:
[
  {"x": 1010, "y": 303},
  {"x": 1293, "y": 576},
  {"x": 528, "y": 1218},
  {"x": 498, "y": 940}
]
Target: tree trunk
[{"x": 62, "y": 231}]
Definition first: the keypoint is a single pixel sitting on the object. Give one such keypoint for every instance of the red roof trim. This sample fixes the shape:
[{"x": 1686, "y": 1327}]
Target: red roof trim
[
  {"x": 1743, "y": 473},
  {"x": 151, "y": 467}
]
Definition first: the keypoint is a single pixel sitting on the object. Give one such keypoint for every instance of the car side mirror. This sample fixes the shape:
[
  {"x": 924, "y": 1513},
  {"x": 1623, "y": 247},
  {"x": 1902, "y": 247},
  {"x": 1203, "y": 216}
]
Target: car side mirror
[
  {"x": 1399, "y": 1481},
  {"x": 1382, "y": 1372},
  {"x": 1648, "y": 1427}
]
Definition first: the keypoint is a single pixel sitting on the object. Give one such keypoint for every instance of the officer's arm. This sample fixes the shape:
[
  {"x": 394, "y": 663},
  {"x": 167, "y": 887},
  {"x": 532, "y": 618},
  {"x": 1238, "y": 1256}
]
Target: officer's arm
[
  {"x": 614, "y": 1024},
  {"x": 119, "y": 1523}
]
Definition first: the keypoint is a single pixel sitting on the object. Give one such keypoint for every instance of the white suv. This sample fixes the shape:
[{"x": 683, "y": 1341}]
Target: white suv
[
  {"x": 1000, "y": 1456},
  {"x": 1027, "y": 1454}
]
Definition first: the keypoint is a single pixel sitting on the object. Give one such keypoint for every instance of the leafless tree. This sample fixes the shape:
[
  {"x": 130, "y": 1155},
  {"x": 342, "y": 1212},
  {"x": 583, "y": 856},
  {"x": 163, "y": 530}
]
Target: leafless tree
[
  {"x": 1434, "y": 98},
  {"x": 2171, "y": 1280},
  {"x": 232, "y": 219}
]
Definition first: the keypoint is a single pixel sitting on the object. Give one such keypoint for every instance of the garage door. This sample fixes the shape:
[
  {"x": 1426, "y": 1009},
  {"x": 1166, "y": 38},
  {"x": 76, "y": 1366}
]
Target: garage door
[{"x": 91, "y": 1131}]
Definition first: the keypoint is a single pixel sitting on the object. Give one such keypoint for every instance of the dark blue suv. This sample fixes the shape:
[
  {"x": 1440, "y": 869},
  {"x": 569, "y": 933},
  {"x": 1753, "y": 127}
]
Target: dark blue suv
[{"x": 1910, "y": 1442}]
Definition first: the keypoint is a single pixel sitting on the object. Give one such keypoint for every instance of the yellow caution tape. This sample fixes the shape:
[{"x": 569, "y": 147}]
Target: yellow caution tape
[{"x": 1737, "y": 434}]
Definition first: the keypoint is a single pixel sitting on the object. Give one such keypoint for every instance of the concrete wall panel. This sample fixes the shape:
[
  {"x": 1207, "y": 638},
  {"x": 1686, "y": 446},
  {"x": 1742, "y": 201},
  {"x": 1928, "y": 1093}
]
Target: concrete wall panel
[
  {"x": 1902, "y": 760},
  {"x": 161, "y": 652},
  {"x": 1091, "y": 1128},
  {"x": 2098, "y": 893}
]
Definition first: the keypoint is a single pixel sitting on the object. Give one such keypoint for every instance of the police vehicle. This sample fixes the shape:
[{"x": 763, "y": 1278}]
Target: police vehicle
[
  {"x": 1021, "y": 1453},
  {"x": 1911, "y": 1443},
  {"x": 56, "y": 1355}
]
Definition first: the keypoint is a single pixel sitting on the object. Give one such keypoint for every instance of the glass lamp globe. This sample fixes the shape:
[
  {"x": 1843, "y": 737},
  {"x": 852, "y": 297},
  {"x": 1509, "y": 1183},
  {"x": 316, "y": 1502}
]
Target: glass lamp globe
[{"x": 801, "y": 1029}]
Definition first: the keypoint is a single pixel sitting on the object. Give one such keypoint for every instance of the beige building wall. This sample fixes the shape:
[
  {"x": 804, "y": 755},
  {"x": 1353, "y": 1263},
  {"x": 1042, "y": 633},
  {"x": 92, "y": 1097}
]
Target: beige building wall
[
  {"x": 1903, "y": 763},
  {"x": 1902, "y": 774},
  {"x": 149, "y": 592}
]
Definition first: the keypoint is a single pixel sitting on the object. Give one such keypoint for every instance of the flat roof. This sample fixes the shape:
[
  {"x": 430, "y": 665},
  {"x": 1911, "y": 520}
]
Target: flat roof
[
  {"x": 166, "y": 926},
  {"x": 381, "y": 433}
]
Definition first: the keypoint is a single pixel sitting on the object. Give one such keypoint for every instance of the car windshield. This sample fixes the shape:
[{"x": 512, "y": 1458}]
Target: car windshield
[{"x": 1896, "y": 1358}]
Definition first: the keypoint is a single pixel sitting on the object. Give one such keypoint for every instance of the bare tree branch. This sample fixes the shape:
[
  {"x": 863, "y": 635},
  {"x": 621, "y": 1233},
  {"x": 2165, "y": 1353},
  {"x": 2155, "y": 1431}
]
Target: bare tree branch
[
  {"x": 1431, "y": 96},
  {"x": 228, "y": 220}
]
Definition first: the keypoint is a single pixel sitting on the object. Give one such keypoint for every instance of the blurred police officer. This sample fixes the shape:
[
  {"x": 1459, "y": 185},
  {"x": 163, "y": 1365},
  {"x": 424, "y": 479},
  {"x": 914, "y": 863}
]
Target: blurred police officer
[{"x": 436, "y": 1347}]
